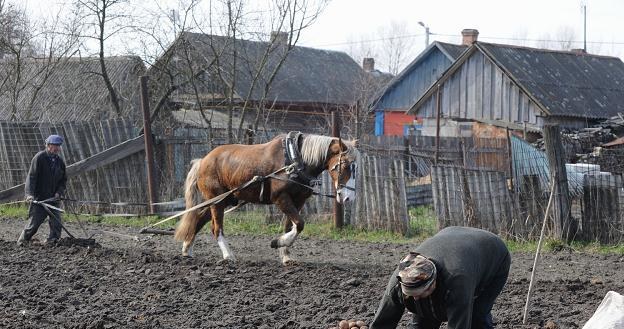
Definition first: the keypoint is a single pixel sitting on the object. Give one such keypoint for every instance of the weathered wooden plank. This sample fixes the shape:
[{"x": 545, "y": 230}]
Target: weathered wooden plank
[
  {"x": 108, "y": 156},
  {"x": 498, "y": 86}
]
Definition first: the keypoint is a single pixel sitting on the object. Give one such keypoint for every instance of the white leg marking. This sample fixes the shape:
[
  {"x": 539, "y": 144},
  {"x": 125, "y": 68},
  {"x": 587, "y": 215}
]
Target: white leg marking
[
  {"x": 187, "y": 249},
  {"x": 288, "y": 238},
  {"x": 285, "y": 255},
  {"x": 225, "y": 249}
]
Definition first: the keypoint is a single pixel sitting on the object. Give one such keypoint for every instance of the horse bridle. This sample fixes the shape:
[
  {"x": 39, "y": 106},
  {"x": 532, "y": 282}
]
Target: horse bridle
[{"x": 338, "y": 167}]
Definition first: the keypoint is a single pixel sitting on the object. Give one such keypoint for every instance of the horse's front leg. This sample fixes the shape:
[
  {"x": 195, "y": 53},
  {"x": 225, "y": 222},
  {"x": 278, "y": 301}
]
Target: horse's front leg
[
  {"x": 217, "y": 232},
  {"x": 293, "y": 225}
]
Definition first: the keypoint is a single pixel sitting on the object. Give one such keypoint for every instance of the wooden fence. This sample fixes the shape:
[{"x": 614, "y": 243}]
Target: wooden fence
[
  {"x": 121, "y": 181},
  {"x": 602, "y": 204},
  {"x": 419, "y": 152},
  {"x": 483, "y": 199},
  {"x": 381, "y": 201}
]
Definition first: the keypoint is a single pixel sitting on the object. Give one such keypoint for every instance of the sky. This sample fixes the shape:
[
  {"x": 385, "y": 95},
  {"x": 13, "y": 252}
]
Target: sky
[
  {"x": 347, "y": 23},
  {"x": 502, "y": 21}
]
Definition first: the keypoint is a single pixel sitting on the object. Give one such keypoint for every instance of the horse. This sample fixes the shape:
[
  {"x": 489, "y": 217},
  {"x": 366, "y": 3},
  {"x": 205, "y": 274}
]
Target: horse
[{"x": 277, "y": 172}]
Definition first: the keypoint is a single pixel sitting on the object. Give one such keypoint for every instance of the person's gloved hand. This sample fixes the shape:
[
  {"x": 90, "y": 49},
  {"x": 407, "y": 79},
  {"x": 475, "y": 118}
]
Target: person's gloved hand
[{"x": 29, "y": 198}]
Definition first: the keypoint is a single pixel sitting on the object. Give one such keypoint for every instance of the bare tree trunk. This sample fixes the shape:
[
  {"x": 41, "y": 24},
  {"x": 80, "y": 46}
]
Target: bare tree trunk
[{"x": 111, "y": 90}]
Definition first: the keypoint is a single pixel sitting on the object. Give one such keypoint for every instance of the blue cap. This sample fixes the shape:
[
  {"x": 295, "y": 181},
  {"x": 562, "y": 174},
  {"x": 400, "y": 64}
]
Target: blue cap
[{"x": 54, "y": 139}]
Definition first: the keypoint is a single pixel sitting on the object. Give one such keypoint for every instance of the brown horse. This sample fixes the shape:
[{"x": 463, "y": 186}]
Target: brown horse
[{"x": 228, "y": 167}]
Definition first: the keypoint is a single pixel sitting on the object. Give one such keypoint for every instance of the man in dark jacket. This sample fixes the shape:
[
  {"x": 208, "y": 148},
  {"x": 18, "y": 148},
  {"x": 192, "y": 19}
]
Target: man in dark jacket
[
  {"x": 45, "y": 182},
  {"x": 454, "y": 276}
]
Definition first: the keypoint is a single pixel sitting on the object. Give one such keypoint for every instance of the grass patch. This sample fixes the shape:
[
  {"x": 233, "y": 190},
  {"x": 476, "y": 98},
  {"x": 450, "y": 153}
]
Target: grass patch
[
  {"x": 14, "y": 211},
  {"x": 422, "y": 225}
]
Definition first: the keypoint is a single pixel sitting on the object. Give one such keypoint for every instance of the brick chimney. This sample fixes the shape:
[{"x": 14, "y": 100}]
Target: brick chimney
[
  {"x": 469, "y": 36},
  {"x": 368, "y": 64},
  {"x": 279, "y": 37}
]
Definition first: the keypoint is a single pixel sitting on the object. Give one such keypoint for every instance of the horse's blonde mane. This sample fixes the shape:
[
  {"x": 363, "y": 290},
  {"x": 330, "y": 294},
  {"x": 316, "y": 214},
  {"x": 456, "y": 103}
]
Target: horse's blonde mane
[{"x": 314, "y": 149}]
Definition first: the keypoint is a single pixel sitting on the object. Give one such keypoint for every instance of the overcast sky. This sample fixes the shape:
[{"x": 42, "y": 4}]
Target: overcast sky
[
  {"x": 531, "y": 23},
  {"x": 497, "y": 21}
]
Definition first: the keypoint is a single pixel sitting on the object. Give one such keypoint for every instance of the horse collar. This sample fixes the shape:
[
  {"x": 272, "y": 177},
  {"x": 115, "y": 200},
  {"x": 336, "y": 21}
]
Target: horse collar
[
  {"x": 291, "y": 150},
  {"x": 292, "y": 155}
]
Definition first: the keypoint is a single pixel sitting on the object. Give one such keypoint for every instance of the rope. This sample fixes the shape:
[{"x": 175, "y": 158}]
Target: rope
[
  {"x": 301, "y": 184},
  {"x": 218, "y": 198}
]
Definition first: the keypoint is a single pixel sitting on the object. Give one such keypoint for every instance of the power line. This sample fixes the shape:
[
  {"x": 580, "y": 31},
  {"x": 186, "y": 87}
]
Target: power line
[
  {"x": 455, "y": 35},
  {"x": 372, "y": 40}
]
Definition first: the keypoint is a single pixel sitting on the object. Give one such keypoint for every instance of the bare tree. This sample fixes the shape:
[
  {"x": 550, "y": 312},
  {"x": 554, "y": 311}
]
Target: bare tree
[
  {"x": 103, "y": 19},
  {"x": 565, "y": 38},
  {"x": 31, "y": 53},
  {"x": 221, "y": 71},
  {"x": 396, "y": 48}
]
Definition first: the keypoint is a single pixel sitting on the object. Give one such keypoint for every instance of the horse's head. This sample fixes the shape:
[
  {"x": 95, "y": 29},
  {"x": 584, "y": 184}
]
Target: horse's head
[{"x": 342, "y": 166}]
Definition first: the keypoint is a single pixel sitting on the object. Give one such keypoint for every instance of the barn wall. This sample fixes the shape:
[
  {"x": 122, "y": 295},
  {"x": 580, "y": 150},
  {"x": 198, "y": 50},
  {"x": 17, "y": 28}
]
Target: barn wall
[
  {"x": 413, "y": 84},
  {"x": 480, "y": 90}
]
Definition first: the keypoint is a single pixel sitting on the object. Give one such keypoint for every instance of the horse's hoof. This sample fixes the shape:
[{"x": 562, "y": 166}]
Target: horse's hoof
[{"x": 274, "y": 244}]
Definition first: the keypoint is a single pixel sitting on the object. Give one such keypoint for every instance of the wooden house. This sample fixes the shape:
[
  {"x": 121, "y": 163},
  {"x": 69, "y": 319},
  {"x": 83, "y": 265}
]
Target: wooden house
[
  {"x": 269, "y": 85},
  {"x": 403, "y": 90},
  {"x": 520, "y": 88}
]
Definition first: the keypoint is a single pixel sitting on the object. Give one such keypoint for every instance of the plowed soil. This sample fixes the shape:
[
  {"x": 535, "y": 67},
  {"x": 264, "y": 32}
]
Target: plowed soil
[{"x": 124, "y": 283}]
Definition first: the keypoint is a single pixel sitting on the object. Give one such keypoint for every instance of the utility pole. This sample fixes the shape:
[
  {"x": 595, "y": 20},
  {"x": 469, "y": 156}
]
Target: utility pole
[
  {"x": 585, "y": 28},
  {"x": 149, "y": 150}
]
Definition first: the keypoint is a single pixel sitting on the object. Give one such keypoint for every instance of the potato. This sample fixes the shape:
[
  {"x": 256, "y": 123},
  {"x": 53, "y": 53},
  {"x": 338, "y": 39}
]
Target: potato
[
  {"x": 352, "y": 324},
  {"x": 360, "y": 323},
  {"x": 344, "y": 324}
]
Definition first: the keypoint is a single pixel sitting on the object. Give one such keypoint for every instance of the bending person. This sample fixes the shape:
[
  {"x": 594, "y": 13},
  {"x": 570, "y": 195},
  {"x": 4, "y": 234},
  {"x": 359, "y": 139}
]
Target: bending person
[{"x": 454, "y": 276}]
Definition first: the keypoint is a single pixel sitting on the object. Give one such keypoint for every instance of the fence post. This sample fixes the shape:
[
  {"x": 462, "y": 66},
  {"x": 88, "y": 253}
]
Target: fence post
[
  {"x": 510, "y": 157},
  {"x": 563, "y": 226},
  {"x": 149, "y": 150},
  {"x": 437, "y": 137},
  {"x": 338, "y": 211}
]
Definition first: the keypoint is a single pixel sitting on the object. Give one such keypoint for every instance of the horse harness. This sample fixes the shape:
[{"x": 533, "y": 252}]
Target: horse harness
[
  {"x": 292, "y": 156},
  {"x": 294, "y": 166}
]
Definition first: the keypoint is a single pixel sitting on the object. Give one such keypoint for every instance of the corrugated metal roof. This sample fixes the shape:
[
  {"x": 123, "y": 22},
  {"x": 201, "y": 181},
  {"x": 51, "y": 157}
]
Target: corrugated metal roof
[
  {"x": 529, "y": 161},
  {"x": 565, "y": 83},
  {"x": 452, "y": 50},
  {"x": 71, "y": 89},
  {"x": 307, "y": 75}
]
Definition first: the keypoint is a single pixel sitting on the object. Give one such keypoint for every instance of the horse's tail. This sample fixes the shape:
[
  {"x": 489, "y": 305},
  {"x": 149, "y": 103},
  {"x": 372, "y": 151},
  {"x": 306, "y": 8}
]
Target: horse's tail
[{"x": 188, "y": 225}]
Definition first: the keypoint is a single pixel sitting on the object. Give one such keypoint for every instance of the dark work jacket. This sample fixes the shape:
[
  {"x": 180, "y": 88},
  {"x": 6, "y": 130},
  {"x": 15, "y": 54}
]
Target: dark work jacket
[
  {"x": 42, "y": 183},
  {"x": 467, "y": 260}
]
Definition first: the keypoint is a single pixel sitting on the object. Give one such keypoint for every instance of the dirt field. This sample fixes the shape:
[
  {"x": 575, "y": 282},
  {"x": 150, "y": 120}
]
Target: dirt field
[{"x": 146, "y": 284}]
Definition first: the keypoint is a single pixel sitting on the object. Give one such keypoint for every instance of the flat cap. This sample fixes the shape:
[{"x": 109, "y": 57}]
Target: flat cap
[{"x": 54, "y": 139}]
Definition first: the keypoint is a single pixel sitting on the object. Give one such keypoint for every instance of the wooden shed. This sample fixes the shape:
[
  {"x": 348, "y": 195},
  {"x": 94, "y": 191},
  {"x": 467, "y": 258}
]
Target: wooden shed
[
  {"x": 522, "y": 88},
  {"x": 403, "y": 90}
]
